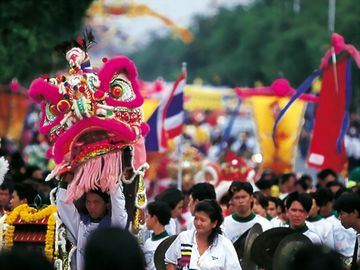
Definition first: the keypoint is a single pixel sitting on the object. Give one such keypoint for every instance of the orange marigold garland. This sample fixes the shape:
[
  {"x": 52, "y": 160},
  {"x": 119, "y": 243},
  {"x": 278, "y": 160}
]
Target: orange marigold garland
[{"x": 29, "y": 214}]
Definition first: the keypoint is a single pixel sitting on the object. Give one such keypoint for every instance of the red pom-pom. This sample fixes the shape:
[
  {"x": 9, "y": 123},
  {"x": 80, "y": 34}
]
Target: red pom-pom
[
  {"x": 45, "y": 76},
  {"x": 80, "y": 40},
  {"x": 99, "y": 95},
  {"x": 104, "y": 59}
]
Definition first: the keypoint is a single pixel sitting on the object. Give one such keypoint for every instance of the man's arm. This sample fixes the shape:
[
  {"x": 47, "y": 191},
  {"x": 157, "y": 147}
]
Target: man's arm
[
  {"x": 68, "y": 213},
  {"x": 118, "y": 211}
]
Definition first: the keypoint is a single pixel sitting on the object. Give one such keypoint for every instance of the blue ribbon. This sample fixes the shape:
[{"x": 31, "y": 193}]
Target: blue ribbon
[
  {"x": 228, "y": 128},
  {"x": 299, "y": 91},
  {"x": 348, "y": 96}
]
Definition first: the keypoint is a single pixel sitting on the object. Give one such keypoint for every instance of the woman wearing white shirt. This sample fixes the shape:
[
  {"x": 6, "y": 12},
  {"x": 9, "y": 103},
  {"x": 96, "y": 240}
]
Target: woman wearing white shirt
[{"x": 203, "y": 248}]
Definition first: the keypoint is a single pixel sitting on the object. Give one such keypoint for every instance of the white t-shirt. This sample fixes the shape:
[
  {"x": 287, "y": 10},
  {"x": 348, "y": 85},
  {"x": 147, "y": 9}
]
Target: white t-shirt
[
  {"x": 171, "y": 228},
  {"x": 150, "y": 247},
  {"x": 234, "y": 226},
  {"x": 183, "y": 253},
  {"x": 324, "y": 229},
  {"x": 344, "y": 239}
]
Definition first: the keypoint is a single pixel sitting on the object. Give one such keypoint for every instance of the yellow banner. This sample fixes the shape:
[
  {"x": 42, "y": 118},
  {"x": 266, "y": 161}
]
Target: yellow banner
[
  {"x": 13, "y": 109},
  {"x": 208, "y": 98},
  {"x": 280, "y": 158}
]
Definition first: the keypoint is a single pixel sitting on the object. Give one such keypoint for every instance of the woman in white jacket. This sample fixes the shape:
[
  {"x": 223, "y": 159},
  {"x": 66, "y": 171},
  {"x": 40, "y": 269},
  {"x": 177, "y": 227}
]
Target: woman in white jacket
[{"x": 203, "y": 248}]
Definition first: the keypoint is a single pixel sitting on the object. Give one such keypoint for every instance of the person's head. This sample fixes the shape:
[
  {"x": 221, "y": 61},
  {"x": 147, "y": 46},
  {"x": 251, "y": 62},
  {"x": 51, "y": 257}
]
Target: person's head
[
  {"x": 303, "y": 184},
  {"x": 158, "y": 213},
  {"x": 97, "y": 203},
  {"x": 199, "y": 192},
  {"x": 325, "y": 176},
  {"x": 273, "y": 204},
  {"x": 208, "y": 219},
  {"x": 24, "y": 259},
  {"x": 174, "y": 198},
  {"x": 324, "y": 199},
  {"x": 265, "y": 186},
  {"x": 297, "y": 208},
  {"x": 336, "y": 188},
  {"x": 5, "y": 194},
  {"x": 241, "y": 194},
  {"x": 348, "y": 207},
  {"x": 22, "y": 193},
  {"x": 260, "y": 204},
  {"x": 318, "y": 257},
  {"x": 287, "y": 182},
  {"x": 113, "y": 249},
  {"x": 315, "y": 208}
]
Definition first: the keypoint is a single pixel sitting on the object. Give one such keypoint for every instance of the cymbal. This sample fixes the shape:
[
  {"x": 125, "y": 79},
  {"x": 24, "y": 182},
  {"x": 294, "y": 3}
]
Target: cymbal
[
  {"x": 264, "y": 246},
  {"x": 287, "y": 248},
  {"x": 160, "y": 251},
  {"x": 239, "y": 245},
  {"x": 254, "y": 232}
]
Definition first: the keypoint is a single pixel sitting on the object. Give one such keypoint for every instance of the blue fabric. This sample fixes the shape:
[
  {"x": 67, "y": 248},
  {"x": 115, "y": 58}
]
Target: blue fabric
[
  {"x": 348, "y": 96},
  {"x": 299, "y": 91},
  {"x": 228, "y": 128}
]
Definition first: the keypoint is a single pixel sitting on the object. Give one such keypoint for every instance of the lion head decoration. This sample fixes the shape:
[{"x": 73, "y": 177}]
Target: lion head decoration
[{"x": 94, "y": 120}]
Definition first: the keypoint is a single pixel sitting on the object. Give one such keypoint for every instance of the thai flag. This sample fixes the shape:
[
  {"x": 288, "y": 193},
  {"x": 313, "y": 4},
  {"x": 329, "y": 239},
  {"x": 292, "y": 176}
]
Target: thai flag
[{"x": 168, "y": 119}]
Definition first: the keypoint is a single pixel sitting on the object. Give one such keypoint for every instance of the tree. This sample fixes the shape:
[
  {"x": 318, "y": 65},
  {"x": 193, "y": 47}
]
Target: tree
[{"x": 29, "y": 31}]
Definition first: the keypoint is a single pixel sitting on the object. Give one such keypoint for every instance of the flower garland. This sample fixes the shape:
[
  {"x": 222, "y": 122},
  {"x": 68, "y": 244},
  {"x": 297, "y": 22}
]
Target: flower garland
[{"x": 29, "y": 214}]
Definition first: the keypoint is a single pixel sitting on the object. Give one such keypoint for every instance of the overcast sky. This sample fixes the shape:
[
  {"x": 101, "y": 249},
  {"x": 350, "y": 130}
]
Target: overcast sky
[{"x": 135, "y": 31}]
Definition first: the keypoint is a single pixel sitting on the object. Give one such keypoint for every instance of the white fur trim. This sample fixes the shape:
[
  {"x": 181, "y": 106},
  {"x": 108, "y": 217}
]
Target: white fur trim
[{"x": 4, "y": 167}]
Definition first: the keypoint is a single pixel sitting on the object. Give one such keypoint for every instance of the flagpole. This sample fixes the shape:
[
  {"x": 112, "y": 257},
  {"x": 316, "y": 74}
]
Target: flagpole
[
  {"x": 180, "y": 147},
  {"x": 331, "y": 28}
]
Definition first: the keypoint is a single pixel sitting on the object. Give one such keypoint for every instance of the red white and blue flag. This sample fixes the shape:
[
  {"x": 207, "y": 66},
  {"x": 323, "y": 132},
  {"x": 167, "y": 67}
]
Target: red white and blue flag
[{"x": 168, "y": 119}]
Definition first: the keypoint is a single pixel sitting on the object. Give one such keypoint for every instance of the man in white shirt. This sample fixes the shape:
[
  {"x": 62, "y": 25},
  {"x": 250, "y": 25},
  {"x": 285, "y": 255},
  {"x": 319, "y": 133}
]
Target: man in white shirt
[
  {"x": 344, "y": 239},
  {"x": 297, "y": 210},
  {"x": 103, "y": 210},
  {"x": 243, "y": 218},
  {"x": 322, "y": 226},
  {"x": 348, "y": 207},
  {"x": 158, "y": 215}
]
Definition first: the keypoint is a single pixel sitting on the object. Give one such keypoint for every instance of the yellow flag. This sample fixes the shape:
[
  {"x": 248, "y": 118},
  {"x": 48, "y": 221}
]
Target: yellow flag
[
  {"x": 280, "y": 158},
  {"x": 149, "y": 106}
]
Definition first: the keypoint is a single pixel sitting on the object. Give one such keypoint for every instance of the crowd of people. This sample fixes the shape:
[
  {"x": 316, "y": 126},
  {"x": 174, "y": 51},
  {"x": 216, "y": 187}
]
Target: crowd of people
[{"x": 205, "y": 228}]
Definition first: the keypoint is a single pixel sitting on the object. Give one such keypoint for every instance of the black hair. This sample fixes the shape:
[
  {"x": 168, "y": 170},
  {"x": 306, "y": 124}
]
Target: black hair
[
  {"x": 341, "y": 189},
  {"x": 20, "y": 258},
  {"x": 236, "y": 186},
  {"x": 202, "y": 191},
  {"x": 113, "y": 248},
  {"x": 105, "y": 196},
  {"x": 284, "y": 178},
  {"x": 261, "y": 199},
  {"x": 25, "y": 191},
  {"x": 348, "y": 202},
  {"x": 324, "y": 173},
  {"x": 303, "y": 181},
  {"x": 264, "y": 184},
  {"x": 161, "y": 210},
  {"x": 274, "y": 200},
  {"x": 304, "y": 199},
  {"x": 318, "y": 257},
  {"x": 7, "y": 186},
  {"x": 214, "y": 211},
  {"x": 171, "y": 196},
  {"x": 323, "y": 196}
]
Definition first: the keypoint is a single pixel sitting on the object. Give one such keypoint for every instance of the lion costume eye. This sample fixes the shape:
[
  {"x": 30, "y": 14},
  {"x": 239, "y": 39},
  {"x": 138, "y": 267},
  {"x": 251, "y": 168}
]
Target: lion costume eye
[{"x": 121, "y": 90}]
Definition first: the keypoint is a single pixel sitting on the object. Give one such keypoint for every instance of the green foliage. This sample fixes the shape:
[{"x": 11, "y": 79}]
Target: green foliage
[
  {"x": 258, "y": 42},
  {"x": 29, "y": 30}
]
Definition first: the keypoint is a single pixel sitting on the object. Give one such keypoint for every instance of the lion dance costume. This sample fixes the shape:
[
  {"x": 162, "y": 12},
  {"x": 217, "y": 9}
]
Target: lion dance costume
[{"x": 94, "y": 121}]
